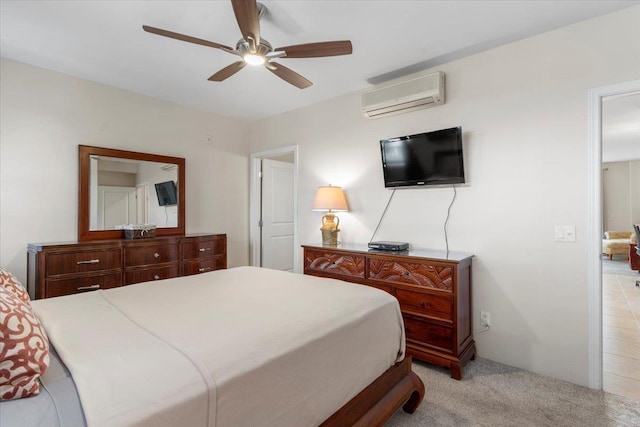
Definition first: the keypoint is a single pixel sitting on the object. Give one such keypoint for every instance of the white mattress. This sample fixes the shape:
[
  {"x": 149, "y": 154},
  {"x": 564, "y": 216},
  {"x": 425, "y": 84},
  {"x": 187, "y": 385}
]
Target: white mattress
[{"x": 238, "y": 347}]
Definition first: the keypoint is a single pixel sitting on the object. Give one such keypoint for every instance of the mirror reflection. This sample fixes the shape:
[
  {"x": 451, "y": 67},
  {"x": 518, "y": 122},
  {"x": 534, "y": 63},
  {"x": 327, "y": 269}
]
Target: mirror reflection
[{"x": 124, "y": 191}]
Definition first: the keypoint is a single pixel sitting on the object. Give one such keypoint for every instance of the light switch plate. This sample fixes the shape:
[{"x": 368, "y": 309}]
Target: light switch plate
[{"x": 565, "y": 233}]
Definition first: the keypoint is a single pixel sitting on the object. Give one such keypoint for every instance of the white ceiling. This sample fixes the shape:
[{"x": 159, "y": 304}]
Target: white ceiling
[{"x": 103, "y": 41}]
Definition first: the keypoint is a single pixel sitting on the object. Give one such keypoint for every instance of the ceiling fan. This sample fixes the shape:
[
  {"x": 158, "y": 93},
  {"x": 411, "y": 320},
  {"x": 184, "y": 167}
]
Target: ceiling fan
[{"x": 255, "y": 50}]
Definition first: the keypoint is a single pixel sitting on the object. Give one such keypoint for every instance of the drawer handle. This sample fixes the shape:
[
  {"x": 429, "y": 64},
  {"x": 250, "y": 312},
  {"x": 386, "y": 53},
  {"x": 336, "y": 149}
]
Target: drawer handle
[
  {"x": 421, "y": 303},
  {"x": 204, "y": 249},
  {"x": 156, "y": 277},
  {"x": 88, "y": 288},
  {"x": 203, "y": 269},
  {"x": 157, "y": 255},
  {"x": 91, "y": 261}
]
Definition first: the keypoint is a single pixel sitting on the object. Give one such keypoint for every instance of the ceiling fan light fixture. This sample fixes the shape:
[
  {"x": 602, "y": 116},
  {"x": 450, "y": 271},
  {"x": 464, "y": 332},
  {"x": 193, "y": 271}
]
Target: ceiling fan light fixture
[
  {"x": 255, "y": 50},
  {"x": 253, "y": 59}
]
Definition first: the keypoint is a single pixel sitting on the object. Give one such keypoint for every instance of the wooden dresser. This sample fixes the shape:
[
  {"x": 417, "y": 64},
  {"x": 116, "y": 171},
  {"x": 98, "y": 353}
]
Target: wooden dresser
[
  {"x": 56, "y": 269},
  {"x": 434, "y": 292}
]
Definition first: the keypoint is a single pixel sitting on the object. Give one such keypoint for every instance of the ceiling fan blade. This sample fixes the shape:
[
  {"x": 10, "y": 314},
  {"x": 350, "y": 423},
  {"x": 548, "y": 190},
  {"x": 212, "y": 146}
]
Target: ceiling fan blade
[
  {"x": 184, "y": 38},
  {"x": 227, "y": 72},
  {"x": 316, "y": 50},
  {"x": 288, "y": 75},
  {"x": 248, "y": 18}
]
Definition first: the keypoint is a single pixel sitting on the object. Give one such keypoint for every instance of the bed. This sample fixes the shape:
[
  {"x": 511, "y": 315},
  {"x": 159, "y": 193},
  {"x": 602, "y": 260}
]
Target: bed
[{"x": 238, "y": 347}]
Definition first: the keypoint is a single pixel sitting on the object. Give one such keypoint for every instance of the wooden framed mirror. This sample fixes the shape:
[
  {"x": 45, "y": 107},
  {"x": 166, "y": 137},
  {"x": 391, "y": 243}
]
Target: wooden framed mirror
[{"x": 119, "y": 187}]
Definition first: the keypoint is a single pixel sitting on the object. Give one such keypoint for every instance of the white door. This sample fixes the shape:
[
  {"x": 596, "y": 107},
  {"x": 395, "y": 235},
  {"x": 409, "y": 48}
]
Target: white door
[
  {"x": 116, "y": 205},
  {"x": 277, "y": 215}
]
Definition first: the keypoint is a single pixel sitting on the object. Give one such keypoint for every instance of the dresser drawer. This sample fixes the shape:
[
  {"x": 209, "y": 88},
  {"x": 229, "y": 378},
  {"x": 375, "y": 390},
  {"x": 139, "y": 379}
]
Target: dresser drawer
[
  {"x": 60, "y": 287},
  {"x": 151, "y": 254},
  {"x": 428, "y": 334},
  {"x": 440, "y": 307},
  {"x": 55, "y": 269},
  {"x": 203, "y": 266},
  {"x": 412, "y": 273},
  {"x": 202, "y": 248},
  {"x": 82, "y": 261},
  {"x": 334, "y": 263},
  {"x": 151, "y": 274}
]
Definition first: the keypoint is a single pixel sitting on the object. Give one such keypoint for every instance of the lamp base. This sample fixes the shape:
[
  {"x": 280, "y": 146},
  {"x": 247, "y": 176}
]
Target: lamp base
[{"x": 329, "y": 237}]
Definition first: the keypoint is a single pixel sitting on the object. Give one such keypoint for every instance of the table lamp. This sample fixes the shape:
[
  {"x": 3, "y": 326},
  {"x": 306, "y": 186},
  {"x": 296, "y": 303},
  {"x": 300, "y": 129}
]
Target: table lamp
[{"x": 330, "y": 199}]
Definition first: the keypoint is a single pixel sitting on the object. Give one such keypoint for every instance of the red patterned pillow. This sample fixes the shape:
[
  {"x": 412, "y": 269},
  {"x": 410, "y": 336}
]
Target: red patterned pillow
[
  {"x": 24, "y": 347},
  {"x": 11, "y": 282}
]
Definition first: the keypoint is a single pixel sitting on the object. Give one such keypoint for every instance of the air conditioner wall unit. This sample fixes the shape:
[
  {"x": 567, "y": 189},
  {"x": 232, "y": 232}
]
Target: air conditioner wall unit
[{"x": 402, "y": 96}]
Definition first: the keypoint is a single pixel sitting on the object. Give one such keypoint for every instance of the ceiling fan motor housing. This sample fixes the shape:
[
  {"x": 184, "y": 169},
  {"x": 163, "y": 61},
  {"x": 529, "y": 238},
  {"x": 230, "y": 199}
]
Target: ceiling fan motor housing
[{"x": 243, "y": 48}]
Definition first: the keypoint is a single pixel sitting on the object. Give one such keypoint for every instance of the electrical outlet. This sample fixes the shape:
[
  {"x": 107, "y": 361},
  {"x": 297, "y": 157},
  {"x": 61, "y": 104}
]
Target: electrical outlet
[{"x": 485, "y": 318}]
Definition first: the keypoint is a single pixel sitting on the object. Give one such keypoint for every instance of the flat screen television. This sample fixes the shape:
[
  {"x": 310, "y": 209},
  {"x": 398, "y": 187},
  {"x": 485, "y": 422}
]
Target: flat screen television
[
  {"x": 167, "y": 194},
  {"x": 431, "y": 158}
]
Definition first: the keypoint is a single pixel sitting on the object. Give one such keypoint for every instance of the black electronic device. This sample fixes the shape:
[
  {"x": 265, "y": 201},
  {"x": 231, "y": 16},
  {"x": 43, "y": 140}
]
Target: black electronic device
[
  {"x": 431, "y": 158},
  {"x": 382, "y": 245},
  {"x": 167, "y": 194}
]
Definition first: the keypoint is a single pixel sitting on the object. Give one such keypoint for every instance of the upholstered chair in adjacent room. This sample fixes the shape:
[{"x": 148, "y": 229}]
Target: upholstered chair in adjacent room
[{"x": 616, "y": 243}]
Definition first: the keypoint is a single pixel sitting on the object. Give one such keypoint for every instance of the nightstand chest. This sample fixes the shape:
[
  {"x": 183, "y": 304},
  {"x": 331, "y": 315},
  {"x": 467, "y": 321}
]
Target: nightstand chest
[{"x": 433, "y": 289}]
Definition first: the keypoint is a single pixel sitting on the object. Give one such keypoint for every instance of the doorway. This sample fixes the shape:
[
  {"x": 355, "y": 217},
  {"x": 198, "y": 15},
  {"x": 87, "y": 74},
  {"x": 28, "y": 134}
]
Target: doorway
[
  {"x": 116, "y": 205},
  {"x": 595, "y": 224},
  {"x": 273, "y": 207},
  {"x": 620, "y": 209}
]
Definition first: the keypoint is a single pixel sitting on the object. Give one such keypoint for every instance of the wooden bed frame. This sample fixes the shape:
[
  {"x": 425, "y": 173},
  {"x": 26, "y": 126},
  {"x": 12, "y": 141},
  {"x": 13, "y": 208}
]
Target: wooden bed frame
[{"x": 373, "y": 406}]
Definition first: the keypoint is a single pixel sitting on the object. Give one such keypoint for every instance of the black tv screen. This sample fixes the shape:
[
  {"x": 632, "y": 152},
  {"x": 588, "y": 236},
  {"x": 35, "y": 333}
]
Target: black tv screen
[
  {"x": 167, "y": 194},
  {"x": 432, "y": 158}
]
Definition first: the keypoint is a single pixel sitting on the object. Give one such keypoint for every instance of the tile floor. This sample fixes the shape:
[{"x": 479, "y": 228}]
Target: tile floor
[{"x": 621, "y": 335}]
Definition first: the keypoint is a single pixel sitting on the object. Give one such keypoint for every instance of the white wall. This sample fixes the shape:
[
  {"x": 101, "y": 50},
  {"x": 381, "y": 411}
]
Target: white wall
[
  {"x": 46, "y": 115},
  {"x": 621, "y": 195},
  {"x": 150, "y": 174},
  {"x": 523, "y": 110}
]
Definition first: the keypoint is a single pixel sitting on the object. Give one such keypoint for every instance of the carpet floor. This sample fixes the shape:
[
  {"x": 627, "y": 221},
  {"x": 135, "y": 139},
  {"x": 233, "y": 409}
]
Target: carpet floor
[{"x": 493, "y": 394}]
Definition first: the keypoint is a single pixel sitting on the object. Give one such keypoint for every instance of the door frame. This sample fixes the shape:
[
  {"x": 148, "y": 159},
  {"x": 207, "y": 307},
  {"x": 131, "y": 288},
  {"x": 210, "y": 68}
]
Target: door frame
[
  {"x": 255, "y": 201},
  {"x": 594, "y": 223},
  {"x": 145, "y": 189}
]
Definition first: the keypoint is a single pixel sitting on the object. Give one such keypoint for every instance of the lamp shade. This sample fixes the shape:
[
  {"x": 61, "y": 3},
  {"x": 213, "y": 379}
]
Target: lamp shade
[{"x": 330, "y": 199}]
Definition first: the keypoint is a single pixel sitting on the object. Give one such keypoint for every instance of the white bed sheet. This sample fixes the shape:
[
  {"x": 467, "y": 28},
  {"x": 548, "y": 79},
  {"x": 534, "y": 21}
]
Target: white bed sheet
[
  {"x": 57, "y": 405},
  {"x": 238, "y": 347}
]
